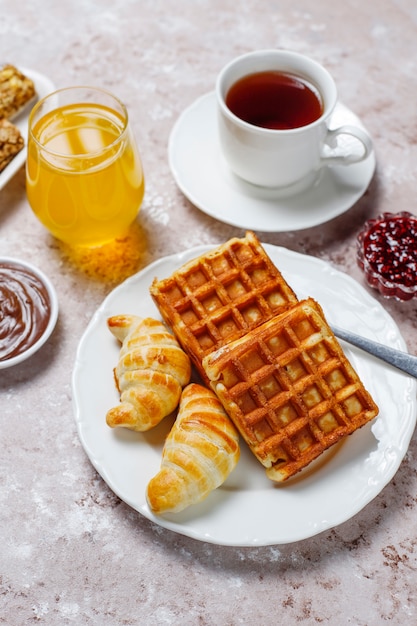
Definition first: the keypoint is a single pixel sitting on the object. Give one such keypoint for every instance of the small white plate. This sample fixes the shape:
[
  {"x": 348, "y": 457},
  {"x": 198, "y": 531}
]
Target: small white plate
[
  {"x": 248, "y": 509},
  {"x": 43, "y": 87},
  {"x": 204, "y": 178},
  {"x": 53, "y": 309}
]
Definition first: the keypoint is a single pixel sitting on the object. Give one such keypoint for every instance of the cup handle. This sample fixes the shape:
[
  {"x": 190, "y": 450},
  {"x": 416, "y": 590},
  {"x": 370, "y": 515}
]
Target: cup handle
[{"x": 343, "y": 156}]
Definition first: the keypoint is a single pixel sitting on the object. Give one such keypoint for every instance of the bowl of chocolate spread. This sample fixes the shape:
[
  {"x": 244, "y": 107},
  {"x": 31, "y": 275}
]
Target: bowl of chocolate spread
[{"x": 28, "y": 310}]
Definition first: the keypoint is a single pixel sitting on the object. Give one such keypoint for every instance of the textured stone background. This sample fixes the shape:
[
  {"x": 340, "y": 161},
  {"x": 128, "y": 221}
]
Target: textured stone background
[{"x": 71, "y": 551}]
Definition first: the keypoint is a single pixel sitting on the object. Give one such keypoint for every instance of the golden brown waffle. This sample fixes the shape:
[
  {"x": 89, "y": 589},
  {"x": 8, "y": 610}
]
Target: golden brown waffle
[
  {"x": 289, "y": 389},
  {"x": 221, "y": 295}
]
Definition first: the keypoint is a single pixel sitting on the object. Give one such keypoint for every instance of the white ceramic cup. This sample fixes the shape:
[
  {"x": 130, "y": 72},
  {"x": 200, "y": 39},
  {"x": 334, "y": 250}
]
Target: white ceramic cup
[{"x": 286, "y": 159}]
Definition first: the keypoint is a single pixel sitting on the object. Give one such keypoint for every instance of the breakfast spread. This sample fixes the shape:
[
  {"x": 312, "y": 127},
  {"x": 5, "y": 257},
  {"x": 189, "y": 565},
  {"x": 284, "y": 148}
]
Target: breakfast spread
[
  {"x": 16, "y": 91},
  {"x": 200, "y": 451},
  {"x": 25, "y": 309},
  {"x": 150, "y": 374},
  {"x": 275, "y": 367}
]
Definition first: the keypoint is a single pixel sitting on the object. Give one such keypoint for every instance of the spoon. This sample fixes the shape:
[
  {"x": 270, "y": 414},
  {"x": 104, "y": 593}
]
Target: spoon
[{"x": 399, "y": 359}]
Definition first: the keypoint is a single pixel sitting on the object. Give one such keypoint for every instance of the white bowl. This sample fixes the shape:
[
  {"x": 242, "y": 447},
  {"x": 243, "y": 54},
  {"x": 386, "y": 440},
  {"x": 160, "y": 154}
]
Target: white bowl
[{"x": 53, "y": 301}]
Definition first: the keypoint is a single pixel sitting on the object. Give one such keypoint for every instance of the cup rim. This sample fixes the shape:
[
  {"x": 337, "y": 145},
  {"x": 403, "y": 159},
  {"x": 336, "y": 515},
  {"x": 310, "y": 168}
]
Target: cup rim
[
  {"x": 89, "y": 155},
  {"x": 283, "y": 54}
]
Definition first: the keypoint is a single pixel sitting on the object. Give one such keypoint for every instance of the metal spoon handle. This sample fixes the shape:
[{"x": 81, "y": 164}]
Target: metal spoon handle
[{"x": 401, "y": 360}]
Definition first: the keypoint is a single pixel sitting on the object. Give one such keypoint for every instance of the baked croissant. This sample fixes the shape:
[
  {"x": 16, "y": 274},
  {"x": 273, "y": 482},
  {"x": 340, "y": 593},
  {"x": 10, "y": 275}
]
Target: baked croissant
[
  {"x": 200, "y": 451},
  {"x": 150, "y": 374}
]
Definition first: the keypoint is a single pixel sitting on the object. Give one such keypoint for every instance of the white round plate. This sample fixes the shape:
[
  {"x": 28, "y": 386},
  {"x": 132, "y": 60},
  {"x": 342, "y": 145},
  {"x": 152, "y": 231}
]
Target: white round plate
[
  {"x": 43, "y": 87},
  {"x": 53, "y": 303},
  {"x": 204, "y": 178},
  {"x": 249, "y": 510}
]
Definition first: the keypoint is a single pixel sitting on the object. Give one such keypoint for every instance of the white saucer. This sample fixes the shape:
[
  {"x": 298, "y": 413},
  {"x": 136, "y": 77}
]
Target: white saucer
[{"x": 205, "y": 179}]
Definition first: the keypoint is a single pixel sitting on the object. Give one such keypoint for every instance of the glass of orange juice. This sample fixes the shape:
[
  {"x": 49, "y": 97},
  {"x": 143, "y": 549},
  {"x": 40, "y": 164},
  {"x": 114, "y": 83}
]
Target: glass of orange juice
[{"x": 84, "y": 175}]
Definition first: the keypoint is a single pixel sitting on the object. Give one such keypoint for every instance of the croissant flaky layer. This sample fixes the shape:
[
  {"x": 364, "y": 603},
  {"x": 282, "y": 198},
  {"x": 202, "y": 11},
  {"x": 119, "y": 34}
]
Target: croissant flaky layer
[
  {"x": 200, "y": 451},
  {"x": 150, "y": 374}
]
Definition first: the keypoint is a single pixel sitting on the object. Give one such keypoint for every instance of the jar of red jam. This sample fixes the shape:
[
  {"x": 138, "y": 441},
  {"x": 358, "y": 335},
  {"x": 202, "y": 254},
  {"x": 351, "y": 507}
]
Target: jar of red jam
[{"x": 387, "y": 253}]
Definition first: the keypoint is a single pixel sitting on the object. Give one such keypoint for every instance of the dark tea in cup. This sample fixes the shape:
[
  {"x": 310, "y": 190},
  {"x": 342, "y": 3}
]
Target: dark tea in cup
[
  {"x": 275, "y": 100},
  {"x": 274, "y": 109}
]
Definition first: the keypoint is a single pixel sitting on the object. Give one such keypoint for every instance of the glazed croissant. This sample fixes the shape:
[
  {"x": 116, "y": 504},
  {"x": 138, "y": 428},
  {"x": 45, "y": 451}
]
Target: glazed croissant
[
  {"x": 150, "y": 374},
  {"x": 199, "y": 453}
]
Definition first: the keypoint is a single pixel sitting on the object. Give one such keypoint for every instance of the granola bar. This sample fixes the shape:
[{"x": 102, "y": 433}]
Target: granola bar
[
  {"x": 16, "y": 90},
  {"x": 11, "y": 142}
]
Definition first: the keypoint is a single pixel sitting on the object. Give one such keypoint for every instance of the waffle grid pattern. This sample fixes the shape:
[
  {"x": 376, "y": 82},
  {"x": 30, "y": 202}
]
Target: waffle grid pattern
[
  {"x": 290, "y": 389},
  {"x": 220, "y": 296}
]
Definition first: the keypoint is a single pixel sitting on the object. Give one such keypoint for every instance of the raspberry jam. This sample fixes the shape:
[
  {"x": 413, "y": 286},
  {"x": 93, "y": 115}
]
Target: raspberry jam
[{"x": 387, "y": 252}]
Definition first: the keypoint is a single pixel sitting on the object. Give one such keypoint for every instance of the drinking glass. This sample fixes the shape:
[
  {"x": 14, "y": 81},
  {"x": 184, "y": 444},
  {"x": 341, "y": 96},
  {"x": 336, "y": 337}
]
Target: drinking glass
[{"x": 84, "y": 175}]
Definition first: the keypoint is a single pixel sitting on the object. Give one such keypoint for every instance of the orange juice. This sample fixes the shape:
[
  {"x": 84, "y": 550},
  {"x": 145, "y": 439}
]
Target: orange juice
[{"x": 84, "y": 174}]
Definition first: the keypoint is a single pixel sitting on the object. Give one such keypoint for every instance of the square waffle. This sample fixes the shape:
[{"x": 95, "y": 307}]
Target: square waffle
[
  {"x": 290, "y": 390},
  {"x": 221, "y": 295}
]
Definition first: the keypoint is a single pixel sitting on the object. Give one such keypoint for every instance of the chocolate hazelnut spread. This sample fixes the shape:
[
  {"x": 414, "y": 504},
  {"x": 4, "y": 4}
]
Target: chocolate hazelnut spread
[{"x": 25, "y": 309}]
